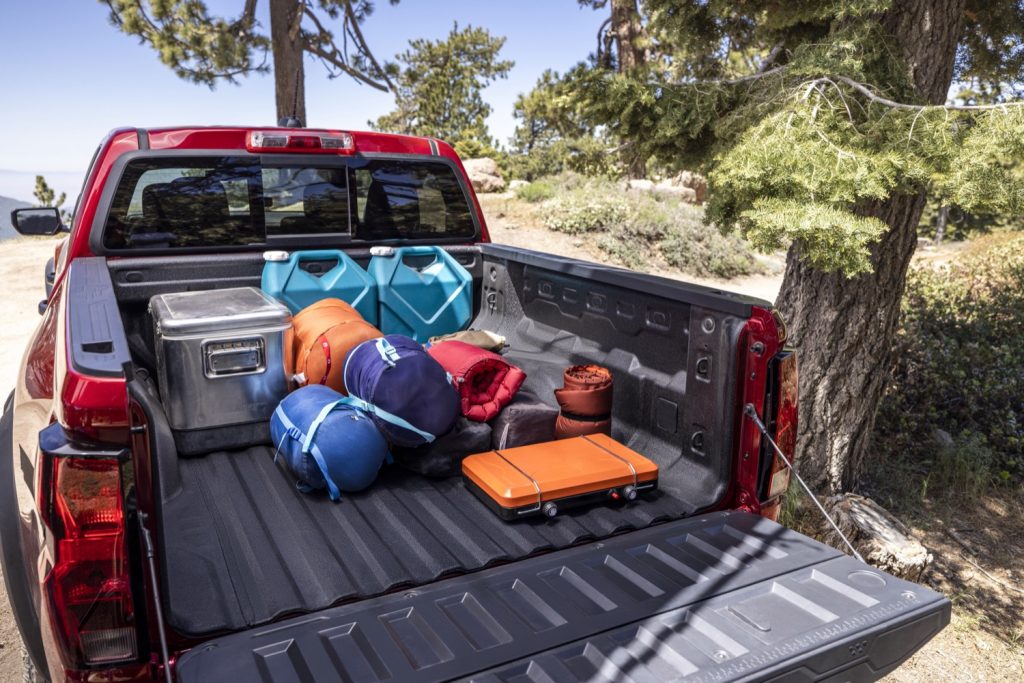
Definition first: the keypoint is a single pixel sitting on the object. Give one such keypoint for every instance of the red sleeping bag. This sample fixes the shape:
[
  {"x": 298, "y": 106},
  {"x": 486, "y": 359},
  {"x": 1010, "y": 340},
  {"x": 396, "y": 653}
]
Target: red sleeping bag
[{"x": 486, "y": 382}]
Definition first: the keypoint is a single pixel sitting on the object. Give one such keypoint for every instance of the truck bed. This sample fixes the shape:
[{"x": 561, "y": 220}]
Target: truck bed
[{"x": 243, "y": 547}]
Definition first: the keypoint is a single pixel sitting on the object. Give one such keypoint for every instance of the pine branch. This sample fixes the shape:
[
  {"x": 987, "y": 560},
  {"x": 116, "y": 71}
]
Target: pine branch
[
  {"x": 878, "y": 99},
  {"x": 333, "y": 58},
  {"x": 364, "y": 48}
]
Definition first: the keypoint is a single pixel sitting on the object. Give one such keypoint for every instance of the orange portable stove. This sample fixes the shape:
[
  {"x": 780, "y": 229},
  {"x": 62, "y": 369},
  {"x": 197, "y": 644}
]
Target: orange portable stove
[{"x": 545, "y": 478}]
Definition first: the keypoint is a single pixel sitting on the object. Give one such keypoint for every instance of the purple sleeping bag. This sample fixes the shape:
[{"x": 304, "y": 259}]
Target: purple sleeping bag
[{"x": 406, "y": 392}]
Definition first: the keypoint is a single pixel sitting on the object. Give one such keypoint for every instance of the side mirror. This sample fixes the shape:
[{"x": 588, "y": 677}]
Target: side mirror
[{"x": 37, "y": 221}]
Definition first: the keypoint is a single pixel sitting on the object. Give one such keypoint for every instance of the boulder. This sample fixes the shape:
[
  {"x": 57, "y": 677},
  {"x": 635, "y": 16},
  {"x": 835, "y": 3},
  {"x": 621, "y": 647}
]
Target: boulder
[
  {"x": 484, "y": 175},
  {"x": 878, "y": 536},
  {"x": 942, "y": 439},
  {"x": 640, "y": 184},
  {"x": 670, "y": 187},
  {"x": 696, "y": 182},
  {"x": 516, "y": 184}
]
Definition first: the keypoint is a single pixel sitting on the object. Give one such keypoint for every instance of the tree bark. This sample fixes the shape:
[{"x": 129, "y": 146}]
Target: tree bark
[
  {"x": 287, "y": 46},
  {"x": 627, "y": 29},
  {"x": 940, "y": 223},
  {"x": 627, "y": 32},
  {"x": 843, "y": 328}
]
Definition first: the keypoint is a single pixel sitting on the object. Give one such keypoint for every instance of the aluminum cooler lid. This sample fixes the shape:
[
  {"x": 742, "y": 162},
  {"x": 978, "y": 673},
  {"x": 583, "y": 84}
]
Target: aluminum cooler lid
[{"x": 217, "y": 310}]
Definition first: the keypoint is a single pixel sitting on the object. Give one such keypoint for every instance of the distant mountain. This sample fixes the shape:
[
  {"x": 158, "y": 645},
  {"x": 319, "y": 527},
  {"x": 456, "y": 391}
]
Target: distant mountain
[{"x": 6, "y": 206}]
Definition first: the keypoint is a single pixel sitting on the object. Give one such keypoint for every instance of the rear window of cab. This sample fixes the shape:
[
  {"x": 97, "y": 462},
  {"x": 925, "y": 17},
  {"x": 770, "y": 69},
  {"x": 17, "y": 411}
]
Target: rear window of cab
[{"x": 172, "y": 202}]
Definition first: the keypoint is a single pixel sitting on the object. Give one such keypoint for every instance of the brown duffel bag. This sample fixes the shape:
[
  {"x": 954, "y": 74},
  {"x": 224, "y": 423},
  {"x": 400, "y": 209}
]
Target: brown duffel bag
[
  {"x": 322, "y": 336},
  {"x": 585, "y": 402}
]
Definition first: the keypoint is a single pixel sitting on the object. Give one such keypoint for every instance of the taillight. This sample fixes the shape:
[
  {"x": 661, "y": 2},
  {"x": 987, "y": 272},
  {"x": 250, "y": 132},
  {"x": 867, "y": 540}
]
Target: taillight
[
  {"x": 305, "y": 141},
  {"x": 785, "y": 421},
  {"x": 89, "y": 587}
]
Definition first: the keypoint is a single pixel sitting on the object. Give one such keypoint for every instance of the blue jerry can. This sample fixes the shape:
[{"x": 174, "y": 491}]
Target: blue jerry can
[
  {"x": 287, "y": 282},
  {"x": 423, "y": 301}
]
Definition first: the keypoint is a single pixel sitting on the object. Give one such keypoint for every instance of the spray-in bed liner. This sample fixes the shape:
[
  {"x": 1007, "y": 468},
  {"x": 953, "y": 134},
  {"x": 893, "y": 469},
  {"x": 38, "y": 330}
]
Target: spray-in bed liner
[{"x": 241, "y": 546}]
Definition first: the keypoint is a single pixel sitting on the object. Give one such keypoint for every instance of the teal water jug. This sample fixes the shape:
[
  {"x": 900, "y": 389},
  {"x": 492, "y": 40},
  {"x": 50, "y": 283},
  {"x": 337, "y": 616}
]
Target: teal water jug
[
  {"x": 295, "y": 287},
  {"x": 423, "y": 292}
]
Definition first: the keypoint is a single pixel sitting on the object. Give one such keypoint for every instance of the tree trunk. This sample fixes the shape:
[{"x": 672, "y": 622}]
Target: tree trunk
[
  {"x": 843, "y": 328},
  {"x": 628, "y": 31},
  {"x": 287, "y": 46},
  {"x": 940, "y": 223},
  {"x": 884, "y": 541}
]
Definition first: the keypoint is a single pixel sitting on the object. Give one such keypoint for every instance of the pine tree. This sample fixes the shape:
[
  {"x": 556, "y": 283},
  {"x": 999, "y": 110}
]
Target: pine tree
[
  {"x": 208, "y": 49},
  {"x": 439, "y": 87},
  {"x": 46, "y": 196},
  {"x": 822, "y": 126}
]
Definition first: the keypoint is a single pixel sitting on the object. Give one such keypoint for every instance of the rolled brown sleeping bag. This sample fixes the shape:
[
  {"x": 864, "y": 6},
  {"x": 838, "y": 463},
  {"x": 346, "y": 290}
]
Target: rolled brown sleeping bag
[
  {"x": 321, "y": 336},
  {"x": 585, "y": 401}
]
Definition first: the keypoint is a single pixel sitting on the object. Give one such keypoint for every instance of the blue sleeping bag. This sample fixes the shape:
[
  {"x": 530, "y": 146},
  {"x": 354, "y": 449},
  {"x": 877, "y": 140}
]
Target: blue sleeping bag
[
  {"x": 408, "y": 393},
  {"x": 326, "y": 442}
]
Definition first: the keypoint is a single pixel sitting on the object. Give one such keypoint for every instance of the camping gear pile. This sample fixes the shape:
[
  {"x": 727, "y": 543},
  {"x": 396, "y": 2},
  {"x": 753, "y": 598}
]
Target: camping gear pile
[{"x": 352, "y": 368}]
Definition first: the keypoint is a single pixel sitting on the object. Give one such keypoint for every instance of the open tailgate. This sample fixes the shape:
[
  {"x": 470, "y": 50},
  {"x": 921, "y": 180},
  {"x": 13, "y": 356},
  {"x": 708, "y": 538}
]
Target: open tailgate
[{"x": 725, "y": 596}]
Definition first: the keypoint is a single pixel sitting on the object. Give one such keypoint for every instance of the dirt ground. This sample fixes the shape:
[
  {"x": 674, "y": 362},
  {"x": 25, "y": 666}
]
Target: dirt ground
[{"x": 977, "y": 547}]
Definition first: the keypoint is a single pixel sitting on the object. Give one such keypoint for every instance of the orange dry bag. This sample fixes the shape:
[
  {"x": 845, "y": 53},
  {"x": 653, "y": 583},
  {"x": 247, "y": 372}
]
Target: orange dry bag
[{"x": 322, "y": 336}]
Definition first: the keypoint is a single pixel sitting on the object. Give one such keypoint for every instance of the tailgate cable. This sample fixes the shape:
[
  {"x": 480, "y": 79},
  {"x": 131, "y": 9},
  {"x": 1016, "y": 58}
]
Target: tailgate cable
[
  {"x": 147, "y": 540},
  {"x": 750, "y": 411}
]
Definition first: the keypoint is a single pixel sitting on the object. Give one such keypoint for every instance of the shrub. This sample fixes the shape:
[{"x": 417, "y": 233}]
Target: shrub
[
  {"x": 537, "y": 191},
  {"x": 959, "y": 367},
  {"x": 582, "y": 210},
  {"x": 643, "y": 230}
]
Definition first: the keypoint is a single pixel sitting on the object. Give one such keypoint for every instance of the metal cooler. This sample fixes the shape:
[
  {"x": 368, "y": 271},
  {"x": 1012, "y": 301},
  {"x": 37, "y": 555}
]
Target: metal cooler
[{"x": 221, "y": 365}]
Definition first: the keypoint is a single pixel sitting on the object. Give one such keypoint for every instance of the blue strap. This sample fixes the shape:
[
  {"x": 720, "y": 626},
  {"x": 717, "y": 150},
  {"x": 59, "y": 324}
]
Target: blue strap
[
  {"x": 388, "y": 353},
  {"x": 359, "y": 403},
  {"x": 309, "y": 447}
]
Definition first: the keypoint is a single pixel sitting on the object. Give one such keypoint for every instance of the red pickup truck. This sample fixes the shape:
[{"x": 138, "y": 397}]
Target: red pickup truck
[{"x": 126, "y": 560}]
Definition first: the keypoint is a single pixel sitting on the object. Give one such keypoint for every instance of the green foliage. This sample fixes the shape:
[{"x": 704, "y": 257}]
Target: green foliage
[
  {"x": 960, "y": 365},
  {"x": 537, "y": 191},
  {"x": 204, "y": 48},
  {"x": 964, "y": 469},
  {"x": 795, "y": 150},
  {"x": 439, "y": 87},
  {"x": 830, "y": 238},
  {"x": 44, "y": 194},
  {"x": 584, "y": 210},
  {"x": 199, "y": 47},
  {"x": 551, "y": 135},
  {"x": 643, "y": 230}
]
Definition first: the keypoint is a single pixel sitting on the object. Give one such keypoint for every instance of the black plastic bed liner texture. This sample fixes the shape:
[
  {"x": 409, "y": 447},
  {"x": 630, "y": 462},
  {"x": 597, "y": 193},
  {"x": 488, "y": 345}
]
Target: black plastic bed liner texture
[
  {"x": 242, "y": 547},
  {"x": 719, "y": 597}
]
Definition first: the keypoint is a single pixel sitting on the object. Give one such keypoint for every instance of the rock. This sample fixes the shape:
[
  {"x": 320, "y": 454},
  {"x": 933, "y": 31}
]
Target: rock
[
  {"x": 942, "y": 438},
  {"x": 517, "y": 183},
  {"x": 484, "y": 175},
  {"x": 640, "y": 184},
  {"x": 696, "y": 182},
  {"x": 669, "y": 187},
  {"x": 883, "y": 540}
]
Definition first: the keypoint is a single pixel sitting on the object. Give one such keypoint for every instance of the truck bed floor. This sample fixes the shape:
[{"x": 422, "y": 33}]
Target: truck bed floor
[{"x": 241, "y": 546}]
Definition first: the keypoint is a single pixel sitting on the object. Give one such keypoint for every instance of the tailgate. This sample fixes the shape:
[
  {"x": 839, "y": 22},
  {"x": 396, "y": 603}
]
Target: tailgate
[{"x": 722, "y": 597}]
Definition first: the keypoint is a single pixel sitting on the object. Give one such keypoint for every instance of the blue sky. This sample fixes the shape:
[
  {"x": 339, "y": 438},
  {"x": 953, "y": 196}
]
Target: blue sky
[{"x": 69, "y": 77}]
